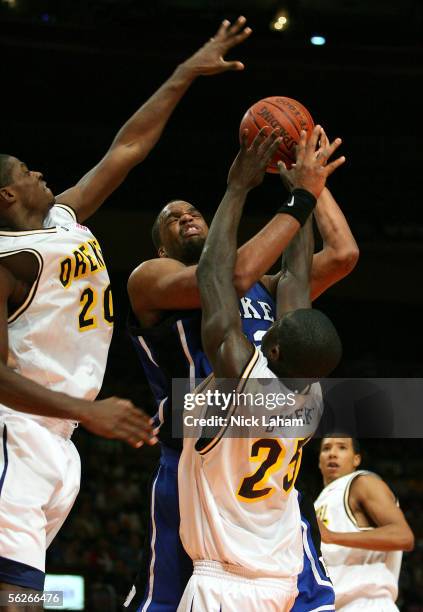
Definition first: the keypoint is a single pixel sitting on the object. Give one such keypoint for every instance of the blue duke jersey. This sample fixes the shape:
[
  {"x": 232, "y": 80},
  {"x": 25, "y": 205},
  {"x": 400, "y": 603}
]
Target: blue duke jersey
[{"x": 173, "y": 349}]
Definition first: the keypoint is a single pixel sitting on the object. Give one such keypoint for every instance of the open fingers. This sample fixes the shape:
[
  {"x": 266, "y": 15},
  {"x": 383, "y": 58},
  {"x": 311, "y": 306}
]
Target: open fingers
[
  {"x": 314, "y": 139},
  {"x": 270, "y": 145},
  {"x": 260, "y": 138},
  {"x": 300, "y": 149},
  {"x": 334, "y": 165},
  {"x": 244, "y": 139},
  {"x": 234, "y": 33},
  {"x": 324, "y": 153}
]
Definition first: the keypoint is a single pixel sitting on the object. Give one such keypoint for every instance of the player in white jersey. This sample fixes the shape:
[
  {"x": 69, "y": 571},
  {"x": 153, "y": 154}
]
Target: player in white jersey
[
  {"x": 363, "y": 530},
  {"x": 56, "y": 323},
  {"x": 241, "y": 526}
]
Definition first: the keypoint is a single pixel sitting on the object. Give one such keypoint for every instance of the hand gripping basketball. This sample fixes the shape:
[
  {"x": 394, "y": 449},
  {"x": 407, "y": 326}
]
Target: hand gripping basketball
[{"x": 311, "y": 168}]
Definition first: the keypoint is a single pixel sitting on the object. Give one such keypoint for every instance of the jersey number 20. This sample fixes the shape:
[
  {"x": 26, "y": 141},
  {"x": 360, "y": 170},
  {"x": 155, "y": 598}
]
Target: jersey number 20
[{"x": 87, "y": 318}]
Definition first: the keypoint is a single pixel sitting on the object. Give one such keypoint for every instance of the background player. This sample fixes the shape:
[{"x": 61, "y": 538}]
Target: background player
[
  {"x": 244, "y": 534},
  {"x": 165, "y": 328},
  {"x": 56, "y": 323},
  {"x": 363, "y": 530}
]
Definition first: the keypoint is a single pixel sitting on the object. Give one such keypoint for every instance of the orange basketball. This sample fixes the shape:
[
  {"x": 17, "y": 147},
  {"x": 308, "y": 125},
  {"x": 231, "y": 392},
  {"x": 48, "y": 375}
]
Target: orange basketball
[{"x": 289, "y": 115}]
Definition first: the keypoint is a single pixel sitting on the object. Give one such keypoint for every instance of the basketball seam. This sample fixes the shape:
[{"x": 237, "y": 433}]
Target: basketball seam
[{"x": 287, "y": 116}]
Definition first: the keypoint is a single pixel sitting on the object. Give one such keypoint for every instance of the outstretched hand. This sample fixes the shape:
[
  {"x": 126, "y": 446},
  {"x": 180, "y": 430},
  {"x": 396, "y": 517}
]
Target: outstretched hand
[
  {"x": 119, "y": 419},
  {"x": 210, "y": 59},
  {"x": 249, "y": 166},
  {"x": 311, "y": 168}
]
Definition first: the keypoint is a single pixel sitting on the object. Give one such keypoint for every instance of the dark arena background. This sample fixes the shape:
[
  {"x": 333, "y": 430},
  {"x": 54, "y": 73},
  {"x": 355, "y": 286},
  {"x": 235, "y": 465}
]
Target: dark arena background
[{"x": 73, "y": 71}]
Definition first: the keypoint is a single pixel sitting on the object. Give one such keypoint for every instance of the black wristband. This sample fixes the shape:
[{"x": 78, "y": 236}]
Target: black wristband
[{"x": 300, "y": 205}]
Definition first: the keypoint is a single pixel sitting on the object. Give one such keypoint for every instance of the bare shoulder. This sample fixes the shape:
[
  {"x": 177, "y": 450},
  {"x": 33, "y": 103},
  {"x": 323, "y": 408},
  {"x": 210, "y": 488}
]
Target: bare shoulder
[
  {"x": 366, "y": 486},
  {"x": 151, "y": 269}
]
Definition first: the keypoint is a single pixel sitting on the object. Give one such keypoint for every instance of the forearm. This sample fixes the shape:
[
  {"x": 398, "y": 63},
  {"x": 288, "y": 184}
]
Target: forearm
[
  {"x": 144, "y": 128},
  {"x": 220, "y": 251},
  {"x": 258, "y": 255},
  {"x": 386, "y": 538},
  {"x": 23, "y": 394},
  {"x": 340, "y": 251},
  {"x": 215, "y": 270},
  {"x": 293, "y": 289}
]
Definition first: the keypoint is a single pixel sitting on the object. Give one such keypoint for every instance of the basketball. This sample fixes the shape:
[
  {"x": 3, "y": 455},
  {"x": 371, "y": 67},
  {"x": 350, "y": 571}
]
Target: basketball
[{"x": 289, "y": 115}]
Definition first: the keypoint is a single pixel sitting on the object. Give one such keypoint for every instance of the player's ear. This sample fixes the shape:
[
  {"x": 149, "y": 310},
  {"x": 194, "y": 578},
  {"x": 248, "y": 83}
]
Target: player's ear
[
  {"x": 7, "y": 197},
  {"x": 162, "y": 252},
  {"x": 357, "y": 460},
  {"x": 274, "y": 352}
]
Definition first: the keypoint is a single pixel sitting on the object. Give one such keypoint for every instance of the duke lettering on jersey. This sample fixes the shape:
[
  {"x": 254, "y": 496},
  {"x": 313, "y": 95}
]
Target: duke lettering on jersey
[{"x": 173, "y": 349}]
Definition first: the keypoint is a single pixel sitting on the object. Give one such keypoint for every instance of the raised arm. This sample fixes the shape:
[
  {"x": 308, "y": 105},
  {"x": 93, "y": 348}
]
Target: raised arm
[
  {"x": 140, "y": 133},
  {"x": 224, "y": 343},
  {"x": 340, "y": 252},
  {"x": 166, "y": 284},
  {"x": 373, "y": 498},
  {"x": 306, "y": 181},
  {"x": 293, "y": 290}
]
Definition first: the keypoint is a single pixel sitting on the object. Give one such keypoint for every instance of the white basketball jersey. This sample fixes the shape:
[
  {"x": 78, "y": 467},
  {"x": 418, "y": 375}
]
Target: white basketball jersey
[
  {"x": 356, "y": 573},
  {"x": 60, "y": 336},
  {"x": 237, "y": 499}
]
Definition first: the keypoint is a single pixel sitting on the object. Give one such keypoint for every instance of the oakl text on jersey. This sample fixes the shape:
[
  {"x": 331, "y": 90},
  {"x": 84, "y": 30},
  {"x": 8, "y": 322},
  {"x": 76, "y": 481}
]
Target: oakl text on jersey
[
  {"x": 242, "y": 421},
  {"x": 270, "y": 401}
]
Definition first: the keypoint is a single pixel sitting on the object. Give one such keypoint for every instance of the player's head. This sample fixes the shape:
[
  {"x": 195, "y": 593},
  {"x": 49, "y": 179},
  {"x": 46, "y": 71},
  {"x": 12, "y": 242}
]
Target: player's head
[
  {"x": 338, "y": 457},
  {"x": 302, "y": 344},
  {"x": 21, "y": 190},
  {"x": 180, "y": 232}
]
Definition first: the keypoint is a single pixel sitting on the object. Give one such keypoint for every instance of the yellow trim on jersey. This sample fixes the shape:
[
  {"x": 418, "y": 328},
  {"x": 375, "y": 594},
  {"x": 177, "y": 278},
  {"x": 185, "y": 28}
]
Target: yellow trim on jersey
[
  {"x": 49, "y": 230},
  {"x": 241, "y": 385},
  {"x": 346, "y": 500},
  {"x": 34, "y": 285}
]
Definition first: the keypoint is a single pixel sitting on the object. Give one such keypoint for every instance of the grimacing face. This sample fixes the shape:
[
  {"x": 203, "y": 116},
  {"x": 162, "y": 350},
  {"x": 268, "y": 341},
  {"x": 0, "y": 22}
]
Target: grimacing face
[
  {"x": 29, "y": 187},
  {"x": 183, "y": 232},
  {"x": 337, "y": 458}
]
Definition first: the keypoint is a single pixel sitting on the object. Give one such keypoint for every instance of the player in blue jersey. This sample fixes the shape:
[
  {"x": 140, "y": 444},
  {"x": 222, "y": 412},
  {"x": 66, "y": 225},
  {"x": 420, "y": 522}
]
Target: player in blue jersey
[{"x": 165, "y": 326}]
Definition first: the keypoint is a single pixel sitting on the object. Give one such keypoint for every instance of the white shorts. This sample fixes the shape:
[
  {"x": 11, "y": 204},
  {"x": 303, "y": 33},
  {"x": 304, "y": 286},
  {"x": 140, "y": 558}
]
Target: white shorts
[
  {"x": 379, "y": 604},
  {"x": 215, "y": 587},
  {"x": 40, "y": 473}
]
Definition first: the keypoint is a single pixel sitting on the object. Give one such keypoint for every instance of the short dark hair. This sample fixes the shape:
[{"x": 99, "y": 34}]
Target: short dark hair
[
  {"x": 309, "y": 343},
  {"x": 155, "y": 230},
  {"x": 5, "y": 169},
  {"x": 355, "y": 441}
]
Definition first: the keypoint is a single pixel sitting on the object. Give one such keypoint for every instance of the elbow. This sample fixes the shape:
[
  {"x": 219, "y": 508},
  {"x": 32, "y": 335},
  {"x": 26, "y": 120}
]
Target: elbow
[
  {"x": 346, "y": 259},
  {"x": 242, "y": 282},
  {"x": 407, "y": 541},
  {"x": 204, "y": 269}
]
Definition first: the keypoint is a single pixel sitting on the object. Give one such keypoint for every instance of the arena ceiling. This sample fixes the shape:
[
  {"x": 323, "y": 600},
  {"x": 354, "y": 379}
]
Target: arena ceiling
[{"x": 369, "y": 21}]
